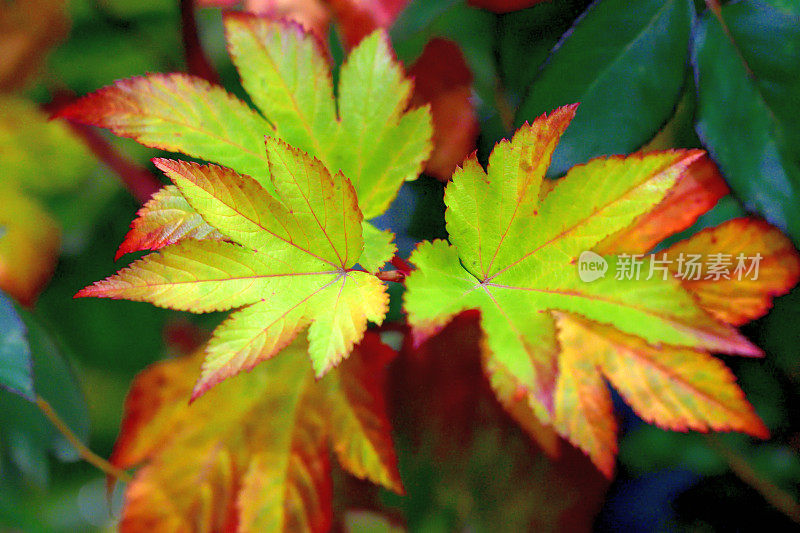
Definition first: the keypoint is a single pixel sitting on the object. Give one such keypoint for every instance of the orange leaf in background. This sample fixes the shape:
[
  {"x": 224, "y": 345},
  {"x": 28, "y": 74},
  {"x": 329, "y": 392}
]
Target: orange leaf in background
[
  {"x": 254, "y": 453},
  {"x": 504, "y": 6},
  {"x": 313, "y": 15},
  {"x": 27, "y": 32},
  {"x": 737, "y": 301},
  {"x": 443, "y": 79}
]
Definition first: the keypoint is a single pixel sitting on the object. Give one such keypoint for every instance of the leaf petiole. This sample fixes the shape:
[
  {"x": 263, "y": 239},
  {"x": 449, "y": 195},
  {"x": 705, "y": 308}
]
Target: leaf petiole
[{"x": 86, "y": 454}]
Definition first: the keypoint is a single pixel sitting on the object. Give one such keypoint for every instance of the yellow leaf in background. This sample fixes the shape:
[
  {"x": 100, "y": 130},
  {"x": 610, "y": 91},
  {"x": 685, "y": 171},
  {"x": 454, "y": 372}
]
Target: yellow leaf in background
[
  {"x": 29, "y": 241},
  {"x": 39, "y": 158},
  {"x": 254, "y": 452}
]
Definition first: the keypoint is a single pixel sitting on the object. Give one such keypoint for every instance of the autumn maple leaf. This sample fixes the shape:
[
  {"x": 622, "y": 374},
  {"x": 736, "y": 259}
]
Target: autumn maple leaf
[
  {"x": 254, "y": 453},
  {"x": 442, "y": 77},
  {"x": 550, "y": 337},
  {"x": 290, "y": 263},
  {"x": 367, "y": 133},
  {"x": 280, "y": 228}
]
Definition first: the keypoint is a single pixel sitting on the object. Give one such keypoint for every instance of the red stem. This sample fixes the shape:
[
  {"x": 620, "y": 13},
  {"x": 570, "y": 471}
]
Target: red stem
[
  {"x": 196, "y": 60},
  {"x": 140, "y": 182},
  {"x": 402, "y": 265}
]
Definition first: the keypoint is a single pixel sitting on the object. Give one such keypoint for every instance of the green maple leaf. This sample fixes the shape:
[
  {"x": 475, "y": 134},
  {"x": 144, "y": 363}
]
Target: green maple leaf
[
  {"x": 368, "y": 133},
  {"x": 289, "y": 262},
  {"x": 515, "y": 243},
  {"x": 277, "y": 229}
]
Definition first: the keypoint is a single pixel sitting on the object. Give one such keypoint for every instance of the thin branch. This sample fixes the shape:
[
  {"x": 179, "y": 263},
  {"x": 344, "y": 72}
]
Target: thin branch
[
  {"x": 86, "y": 454},
  {"x": 196, "y": 60},
  {"x": 775, "y": 496}
]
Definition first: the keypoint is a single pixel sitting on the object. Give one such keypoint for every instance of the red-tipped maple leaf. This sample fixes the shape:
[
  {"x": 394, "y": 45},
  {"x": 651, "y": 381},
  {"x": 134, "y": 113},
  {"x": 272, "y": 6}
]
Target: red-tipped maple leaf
[
  {"x": 280, "y": 231},
  {"x": 553, "y": 335}
]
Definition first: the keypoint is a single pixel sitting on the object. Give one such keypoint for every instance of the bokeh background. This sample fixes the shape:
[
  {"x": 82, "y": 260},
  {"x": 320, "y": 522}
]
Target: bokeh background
[{"x": 679, "y": 78}]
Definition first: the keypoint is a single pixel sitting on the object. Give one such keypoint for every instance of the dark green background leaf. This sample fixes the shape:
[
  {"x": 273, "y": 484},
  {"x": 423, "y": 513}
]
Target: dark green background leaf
[
  {"x": 624, "y": 62},
  {"x": 16, "y": 373},
  {"x": 27, "y": 436},
  {"x": 748, "y": 96}
]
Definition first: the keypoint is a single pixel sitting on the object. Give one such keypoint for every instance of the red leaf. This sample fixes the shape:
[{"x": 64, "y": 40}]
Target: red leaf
[
  {"x": 359, "y": 18},
  {"x": 443, "y": 79}
]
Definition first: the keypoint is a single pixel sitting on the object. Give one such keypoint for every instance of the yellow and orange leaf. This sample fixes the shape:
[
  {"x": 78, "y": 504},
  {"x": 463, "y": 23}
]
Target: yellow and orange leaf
[
  {"x": 253, "y": 455},
  {"x": 744, "y": 296},
  {"x": 698, "y": 190},
  {"x": 677, "y": 389},
  {"x": 584, "y": 412}
]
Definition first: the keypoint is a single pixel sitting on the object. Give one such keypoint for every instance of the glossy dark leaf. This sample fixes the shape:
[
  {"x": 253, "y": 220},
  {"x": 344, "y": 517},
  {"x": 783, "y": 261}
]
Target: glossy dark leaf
[
  {"x": 748, "y": 91},
  {"x": 625, "y": 65}
]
